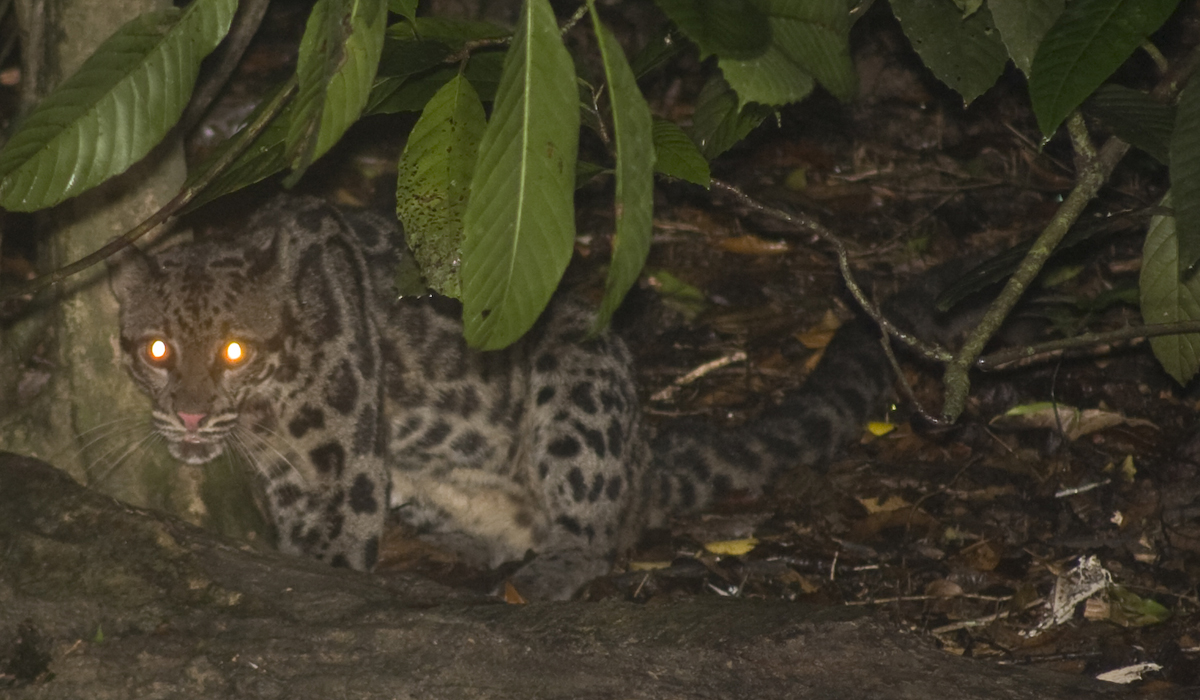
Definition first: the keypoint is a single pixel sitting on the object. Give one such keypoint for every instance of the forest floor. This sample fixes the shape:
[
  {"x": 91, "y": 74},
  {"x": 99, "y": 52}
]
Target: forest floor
[
  {"x": 959, "y": 532},
  {"x": 965, "y": 533}
]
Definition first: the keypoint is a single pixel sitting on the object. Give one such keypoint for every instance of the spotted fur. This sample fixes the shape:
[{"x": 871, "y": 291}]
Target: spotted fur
[{"x": 352, "y": 400}]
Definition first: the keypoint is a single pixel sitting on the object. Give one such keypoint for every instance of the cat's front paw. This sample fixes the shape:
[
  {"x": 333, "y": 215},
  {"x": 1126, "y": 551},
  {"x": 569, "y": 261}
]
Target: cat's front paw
[{"x": 556, "y": 575}]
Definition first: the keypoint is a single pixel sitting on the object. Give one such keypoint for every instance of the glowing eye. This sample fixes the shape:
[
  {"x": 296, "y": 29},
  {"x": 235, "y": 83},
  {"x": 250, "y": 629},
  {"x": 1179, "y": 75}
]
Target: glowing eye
[
  {"x": 157, "y": 350},
  {"x": 234, "y": 353}
]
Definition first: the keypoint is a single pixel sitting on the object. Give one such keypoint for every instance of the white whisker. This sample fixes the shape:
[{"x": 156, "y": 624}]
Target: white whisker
[
  {"x": 243, "y": 433},
  {"x": 135, "y": 447},
  {"x": 113, "y": 431}
]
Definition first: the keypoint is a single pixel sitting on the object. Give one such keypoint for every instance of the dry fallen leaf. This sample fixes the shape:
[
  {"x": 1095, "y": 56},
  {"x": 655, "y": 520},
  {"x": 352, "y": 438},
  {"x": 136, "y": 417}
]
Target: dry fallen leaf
[
  {"x": 1074, "y": 422},
  {"x": 512, "y": 596},
  {"x": 752, "y": 245},
  {"x": 731, "y": 548}
]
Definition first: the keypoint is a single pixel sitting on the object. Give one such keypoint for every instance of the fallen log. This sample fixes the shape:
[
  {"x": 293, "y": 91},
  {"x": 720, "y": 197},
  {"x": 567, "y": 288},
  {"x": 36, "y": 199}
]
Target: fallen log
[{"x": 102, "y": 600}]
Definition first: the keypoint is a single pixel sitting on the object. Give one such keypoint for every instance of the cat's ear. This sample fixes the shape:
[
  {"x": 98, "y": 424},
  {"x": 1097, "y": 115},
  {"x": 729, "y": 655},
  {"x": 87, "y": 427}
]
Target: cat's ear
[
  {"x": 264, "y": 250},
  {"x": 128, "y": 269}
]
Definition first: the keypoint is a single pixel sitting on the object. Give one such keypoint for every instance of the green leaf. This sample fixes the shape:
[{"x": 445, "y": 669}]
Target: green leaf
[
  {"x": 1169, "y": 298},
  {"x": 808, "y": 38},
  {"x": 729, "y": 28},
  {"x": 1090, "y": 40},
  {"x": 1022, "y": 24},
  {"x": 410, "y": 94},
  {"x": 718, "y": 123},
  {"x": 657, "y": 52},
  {"x": 677, "y": 155},
  {"x": 770, "y": 79},
  {"x": 816, "y": 35},
  {"x": 114, "y": 109},
  {"x": 635, "y": 173},
  {"x": 520, "y": 221},
  {"x": 402, "y": 58},
  {"x": 451, "y": 32},
  {"x": 1135, "y": 118},
  {"x": 405, "y": 8},
  {"x": 586, "y": 170},
  {"x": 435, "y": 181},
  {"x": 339, "y": 54},
  {"x": 1131, "y": 610},
  {"x": 965, "y": 54},
  {"x": 1185, "y": 175}
]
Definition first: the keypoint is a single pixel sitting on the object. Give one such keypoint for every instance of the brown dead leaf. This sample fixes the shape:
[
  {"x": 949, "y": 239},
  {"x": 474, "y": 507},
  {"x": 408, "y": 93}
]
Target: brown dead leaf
[
  {"x": 981, "y": 556},
  {"x": 512, "y": 596},
  {"x": 906, "y": 517},
  {"x": 817, "y": 337},
  {"x": 750, "y": 244},
  {"x": 875, "y": 505},
  {"x": 943, "y": 588},
  {"x": 1074, "y": 422}
]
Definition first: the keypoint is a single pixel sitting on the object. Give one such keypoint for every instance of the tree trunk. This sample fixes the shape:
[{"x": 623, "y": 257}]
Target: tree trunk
[{"x": 89, "y": 418}]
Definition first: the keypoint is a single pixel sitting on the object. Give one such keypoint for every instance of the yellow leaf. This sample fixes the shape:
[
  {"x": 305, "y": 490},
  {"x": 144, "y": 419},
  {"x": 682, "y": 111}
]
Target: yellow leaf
[
  {"x": 648, "y": 565},
  {"x": 733, "y": 548},
  {"x": 874, "y": 505}
]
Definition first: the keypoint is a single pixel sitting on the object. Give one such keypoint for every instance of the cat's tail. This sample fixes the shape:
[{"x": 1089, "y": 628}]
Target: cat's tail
[{"x": 694, "y": 463}]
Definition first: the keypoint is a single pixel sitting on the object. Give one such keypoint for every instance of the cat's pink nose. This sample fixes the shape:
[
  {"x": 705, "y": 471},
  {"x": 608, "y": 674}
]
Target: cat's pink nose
[{"x": 191, "y": 421}]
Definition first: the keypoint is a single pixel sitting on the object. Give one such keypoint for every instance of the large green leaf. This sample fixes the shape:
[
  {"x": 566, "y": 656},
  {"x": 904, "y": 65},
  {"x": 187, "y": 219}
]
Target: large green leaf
[
  {"x": 677, "y": 155},
  {"x": 816, "y": 35},
  {"x": 1169, "y": 298},
  {"x": 114, "y": 109},
  {"x": 635, "y": 172},
  {"x": 808, "y": 38},
  {"x": 1135, "y": 117},
  {"x": 1185, "y": 175},
  {"x": 339, "y": 54},
  {"x": 719, "y": 122},
  {"x": 965, "y": 54},
  {"x": 771, "y": 79},
  {"x": 727, "y": 28},
  {"x": 1090, "y": 40},
  {"x": 435, "y": 181},
  {"x": 1022, "y": 24},
  {"x": 520, "y": 221}
]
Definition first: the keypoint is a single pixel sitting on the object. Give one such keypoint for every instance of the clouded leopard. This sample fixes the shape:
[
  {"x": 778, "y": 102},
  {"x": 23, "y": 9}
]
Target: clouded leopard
[{"x": 290, "y": 346}]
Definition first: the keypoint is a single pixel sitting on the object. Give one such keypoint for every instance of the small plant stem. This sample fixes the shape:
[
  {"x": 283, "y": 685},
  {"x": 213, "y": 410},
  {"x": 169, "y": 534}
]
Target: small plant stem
[{"x": 1097, "y": 167}]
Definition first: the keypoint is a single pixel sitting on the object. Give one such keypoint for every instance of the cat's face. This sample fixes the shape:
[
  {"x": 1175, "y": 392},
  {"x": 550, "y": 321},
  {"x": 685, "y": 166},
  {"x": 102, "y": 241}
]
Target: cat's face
[{"x": 200, "y": 334}]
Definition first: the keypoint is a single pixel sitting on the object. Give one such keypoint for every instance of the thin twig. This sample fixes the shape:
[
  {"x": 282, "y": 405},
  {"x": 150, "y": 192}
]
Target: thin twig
[
  {"x": 930, "y": 351},
  {"x": 1094, "y": 343},
  {"x": 570, "y": 23},
  {"x": 245, "y": 25},
  {"x": 702, "y": 370}
]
